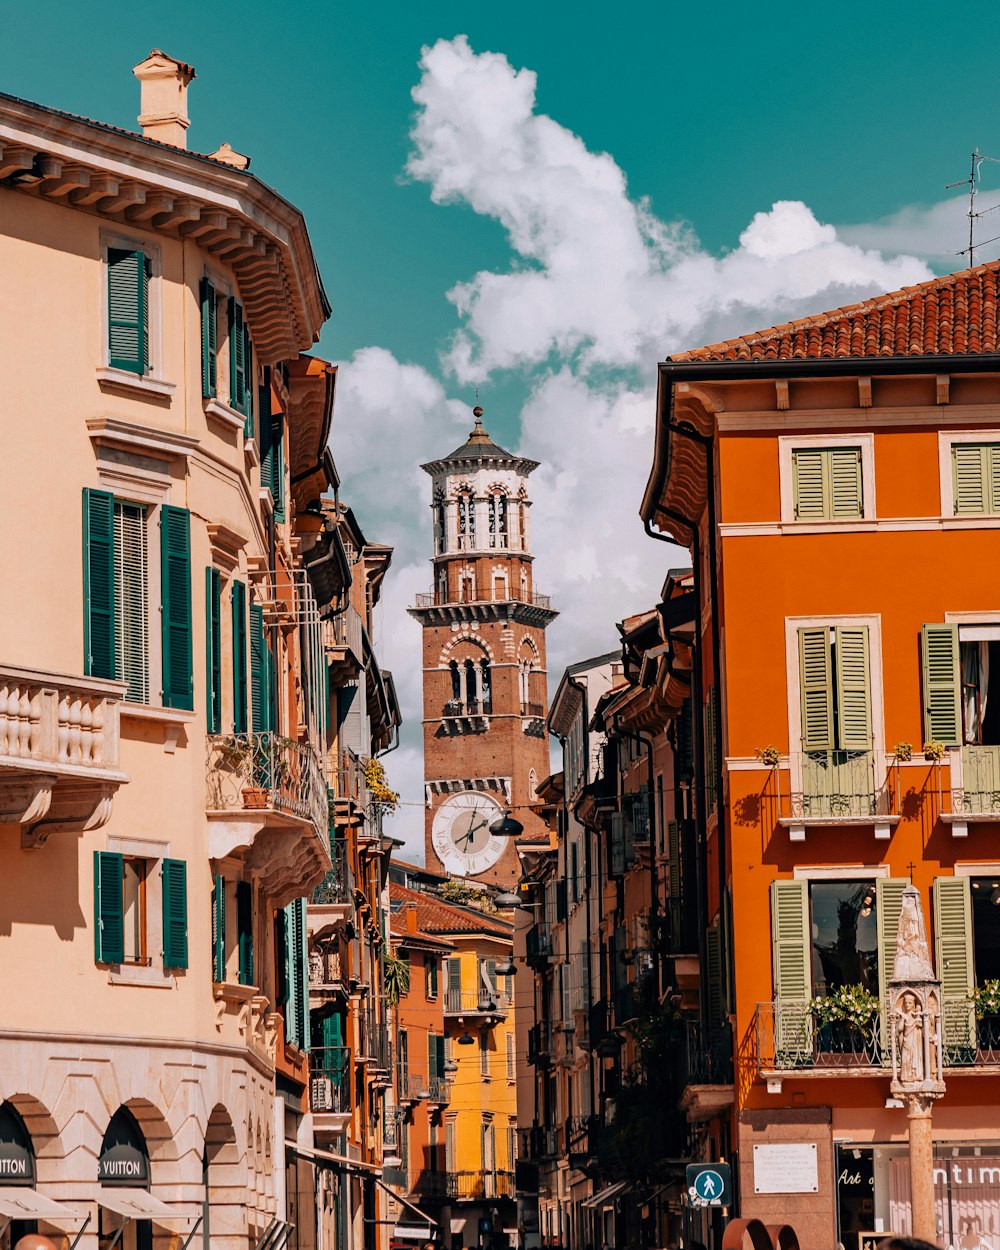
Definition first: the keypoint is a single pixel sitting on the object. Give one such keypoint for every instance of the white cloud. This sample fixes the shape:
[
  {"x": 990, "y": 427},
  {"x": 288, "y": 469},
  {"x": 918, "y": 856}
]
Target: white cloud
[{"x": 598, "y": 289}]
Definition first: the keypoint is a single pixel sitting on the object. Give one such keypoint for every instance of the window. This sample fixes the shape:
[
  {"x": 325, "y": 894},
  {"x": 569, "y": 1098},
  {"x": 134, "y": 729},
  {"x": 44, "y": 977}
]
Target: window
[
  {"x": 239, "y": 636},
  {"x": 826, "y": 483},
  {"x": 440, "y": 523},
  {"x": 511, "y": 1064},
  {"x": 484, "y": 1054},
  {"x": 122, "y": 911},
  {"x": 511, "y": 1147},
  {"x": 834, "y": 683},
  {"x": 976, "y": 478},
  {"x": 961, "y": 677},
  {"x": 985, "y": 910},
  {"x": 466, "y": 522},
  {"x": 498, "y": 520},
  {"x": 129, "y": 272},
  {"x": 844, "y": 935},
  {"x": 241, "y": 371},
  {"x": 131, "y": 600},
  {"x": 431, "y": 977},
  {"x": 213, "y": 645}
]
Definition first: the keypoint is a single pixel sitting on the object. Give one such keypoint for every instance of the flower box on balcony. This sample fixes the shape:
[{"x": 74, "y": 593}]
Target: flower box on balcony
[{"x": 254, "y": 797}]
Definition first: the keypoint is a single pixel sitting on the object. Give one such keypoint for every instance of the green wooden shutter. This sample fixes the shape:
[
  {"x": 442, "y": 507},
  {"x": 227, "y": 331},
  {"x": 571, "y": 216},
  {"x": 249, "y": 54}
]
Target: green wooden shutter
[
  {"x": 888, "y": 904},
  {"x": 816, "y": 689},
  {"x": 296, "y": 975},
  {"x": 970, "y": 468},
  {"x": 993, "y": 484},
  {"x": 853, "y": 698},
  {"x": 175, "y": 575},
  {"x": 128, "y": 310},
  {"x": 713, "y": 978},
  {"x": 244, "y": 928},
  {"x": 439, "y": 1056},
  {"x": 175, "y": 926},
  {"x": 258, "y": 670},
  {"x": 939, "y": 657},
  {"x": 239, "y": 596},
  {"x": 209, "y": 346},
  {"x": 792, "y": 967},
  {"x": 454, "y": 980},
  {"x": 808, "y": 477},
  {"x": 219, "y": 930},
  {"x": 131, "y": 601},
  {"x": 955, "y": 961},
  {"x": 711, "y": 753},
  {"x": 109, "y": 908},
  {"x": 247, "y": 382},
  {"x": 237, "y": 357},
  {"x": 213, "y": 648},
  {"x": 264, "y": 426},
  {"x": 99, "y": 647},
  {"x": 277, "y": 462},
  {"x": 844, "y": 476}
]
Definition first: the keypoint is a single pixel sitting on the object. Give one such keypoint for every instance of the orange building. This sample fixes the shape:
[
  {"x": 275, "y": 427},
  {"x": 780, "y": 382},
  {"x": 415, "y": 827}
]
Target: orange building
[{"x": 837, "y": 481}]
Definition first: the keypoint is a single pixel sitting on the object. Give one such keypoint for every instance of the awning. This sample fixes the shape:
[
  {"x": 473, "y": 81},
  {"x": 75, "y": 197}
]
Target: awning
[
  {"x": 20, "y": 1203},
  {"x": 406, "y": 1203},
  {"x": 604, "y": 1197},
  {"x": 328, "y": 1159},
  {"x": 137, "y": 1204}
]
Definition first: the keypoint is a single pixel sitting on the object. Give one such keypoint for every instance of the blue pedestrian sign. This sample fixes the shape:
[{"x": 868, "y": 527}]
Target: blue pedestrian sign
[{"x": 709, "y": 1185}]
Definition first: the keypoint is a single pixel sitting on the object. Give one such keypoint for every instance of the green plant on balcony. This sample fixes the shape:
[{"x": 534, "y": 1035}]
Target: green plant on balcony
[
  {"x": 382, "y": 795},
  {"x": 467, "y": 895},
  {"x": 769, "y": 756},
  {"x": 934, "y": 751},
  {"x": 849, "y": 1004},
  {"x": 395, "y": 978},
  {"x": 985, "y": 998},
  {"x": 903, "y": 751}
]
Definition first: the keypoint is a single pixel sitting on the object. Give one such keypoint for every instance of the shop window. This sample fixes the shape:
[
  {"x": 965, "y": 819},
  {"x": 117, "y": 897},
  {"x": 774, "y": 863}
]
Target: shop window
[{"x": 844, "y": 933}]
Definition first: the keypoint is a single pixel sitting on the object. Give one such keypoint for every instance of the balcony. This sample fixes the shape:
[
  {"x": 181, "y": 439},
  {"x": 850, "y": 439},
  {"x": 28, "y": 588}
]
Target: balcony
[
  {"x": 467, "y": 715},
  {"x": 333, "y": 898},
  {"x": 563, "y": 1045},
  {"x": 267, "y": 800},
  {"x": 475, "y": 1186},
  {"x": 330, "y": 1088},
  {"x": 535, "y": 711},
  {"x": 411, "y": 1088},
  {"x": 59, "y": 765},
  {"x": 481, "y": 1002},
  {"x": 343, "y": 643},
  {"x": 429, "y": 1185},
  {"x": 526, "y": 607},
  {"x": 351, "y": 797},
  {"x": 836, "y": 788},
  {"x": 975, "y": 788},
  {"x": 707, "y": 1076},
  {"x": 578, "y": 1134},
  {"x": 326, "y": 978},
  {"x": 540, "y": 1044},
  {"x": 439, "y": 1093},
  {"x": 541, "y": 1143},
  {"x": 537, "y": 946},
  {"x": 789, "y": 1040}
]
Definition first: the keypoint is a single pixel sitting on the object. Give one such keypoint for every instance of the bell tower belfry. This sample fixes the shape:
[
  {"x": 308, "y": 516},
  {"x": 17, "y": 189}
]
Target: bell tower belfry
[{"x": 485, "y": 696}]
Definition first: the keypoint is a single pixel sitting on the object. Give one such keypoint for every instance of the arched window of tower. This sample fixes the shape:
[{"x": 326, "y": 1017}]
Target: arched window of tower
[
  {"x": 467, "y": 586},
  {"x": 500, "y": 584},
  {"x": 456, "y": 681},
  {"x": 486, "y": 685},
  {"x": 466, "y": 521},
  {"x": 532, "y": 785},
  {"x": 498, "y": 519},
  {"x": 440, "y": 523},
  {"x": 524, "y": 586}
]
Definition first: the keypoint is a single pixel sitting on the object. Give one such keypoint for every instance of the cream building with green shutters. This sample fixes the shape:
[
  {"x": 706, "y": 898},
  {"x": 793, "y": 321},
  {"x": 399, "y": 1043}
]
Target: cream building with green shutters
[{"x": 163, "y": 682}]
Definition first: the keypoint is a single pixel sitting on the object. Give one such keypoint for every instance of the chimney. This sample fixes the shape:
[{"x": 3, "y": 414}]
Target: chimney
[
  {"x": 411, "y": 917},
  {"x": 163, "y": 111}
]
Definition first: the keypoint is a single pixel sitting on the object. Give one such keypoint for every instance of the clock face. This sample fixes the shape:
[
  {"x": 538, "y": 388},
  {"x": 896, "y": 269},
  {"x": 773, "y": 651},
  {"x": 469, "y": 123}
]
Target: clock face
[{"x": 460, "y": 833}]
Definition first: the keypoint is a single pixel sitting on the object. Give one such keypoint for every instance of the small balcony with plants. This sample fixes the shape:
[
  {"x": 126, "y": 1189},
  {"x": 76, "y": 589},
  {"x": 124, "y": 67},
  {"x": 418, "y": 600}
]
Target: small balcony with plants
[
  {"x": 842, "y": 787},
  {"x": 330, "y": 1079},
  {"x": 840, "y": 1031}
]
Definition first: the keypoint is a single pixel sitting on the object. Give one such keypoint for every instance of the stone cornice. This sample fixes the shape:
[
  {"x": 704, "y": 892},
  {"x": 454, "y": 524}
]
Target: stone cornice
[{"x": 152, "y": 186}]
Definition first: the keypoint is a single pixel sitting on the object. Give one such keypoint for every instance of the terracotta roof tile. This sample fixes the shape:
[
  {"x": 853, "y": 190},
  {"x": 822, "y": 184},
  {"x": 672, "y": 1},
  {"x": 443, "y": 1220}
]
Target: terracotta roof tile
[
  {"x": 958, "y": 314},
  {"x": 436, "y": 916}
]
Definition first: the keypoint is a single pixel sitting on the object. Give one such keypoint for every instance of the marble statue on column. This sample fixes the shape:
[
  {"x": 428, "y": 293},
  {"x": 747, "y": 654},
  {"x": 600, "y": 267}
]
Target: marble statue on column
[{"x": 915, "y": 1032}]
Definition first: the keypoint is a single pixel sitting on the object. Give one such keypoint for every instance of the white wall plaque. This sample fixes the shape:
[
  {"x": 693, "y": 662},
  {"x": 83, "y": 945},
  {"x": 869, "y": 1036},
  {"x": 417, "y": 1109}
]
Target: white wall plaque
[{"x": 785, "y": 1168}]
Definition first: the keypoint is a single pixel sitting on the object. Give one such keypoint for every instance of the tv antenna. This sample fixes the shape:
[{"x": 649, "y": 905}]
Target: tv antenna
[{"x": 972, "y": 182}]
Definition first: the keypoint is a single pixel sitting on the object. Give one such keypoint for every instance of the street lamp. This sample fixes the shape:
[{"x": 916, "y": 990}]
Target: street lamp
[{"x": 506, "y": 826}]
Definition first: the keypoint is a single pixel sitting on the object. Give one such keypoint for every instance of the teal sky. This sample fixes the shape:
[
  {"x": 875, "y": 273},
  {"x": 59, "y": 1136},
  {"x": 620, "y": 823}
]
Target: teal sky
[{"x": 712, "y": 112}]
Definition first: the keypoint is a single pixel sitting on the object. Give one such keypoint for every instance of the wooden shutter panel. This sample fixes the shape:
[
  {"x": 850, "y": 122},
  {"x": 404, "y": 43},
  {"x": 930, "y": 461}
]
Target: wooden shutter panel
[
  {"x": 278, "y": 465},
  {"x": 454, "y": 980},
  {"x": 296, "y": 975},
  {"x": 993, "y": 477},
  {"x": 247, "y": 382},
  {"x": 816, "y": 689},
  {"x": 131, "y": 601},
  {"x": 853, "y": 697},
  {"x": 219, "y": 930},
  {"x": 970, "y": 466},
  {"x": 258, "y": 670},
  {"x": 888, "y": 904},
  {"x": 808, "y": 483},
  {"x": 128, "y": 310},
  {"x": 939, "y": 657},
  {"x": 99, "y": 584},
  {"x": 109, "y": 908},
  {"x": 175, "y": 926},
  {"x": 209, "y": 345},
  {"x": 239, "y": 598},
  {"x": 844, "y": 464},
  {"x": 213, "y": 648},
  {"x": 237, "y": 357},
  {"x": 792, "y": 968},
  {"x": 244, "y": 929},
  {"x": 955, "y": 960},
  {"x": 713, "y": 977},
  {"x": 175, "y": 576}
]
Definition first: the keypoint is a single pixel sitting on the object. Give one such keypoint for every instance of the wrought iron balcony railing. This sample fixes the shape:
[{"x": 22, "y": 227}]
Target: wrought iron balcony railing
[
  {"x": 473, "y": 1185},
  {"x": 708, "y": 1054},
  {"x": 790, "y": 1038},
  {"x": 338, "y": 884},
  {"x": 330, "y": 1079},
  {"x": 473, "y": 1002},
  {"x": 438, "y": 599},
  {"x": 266, "y": 771}
]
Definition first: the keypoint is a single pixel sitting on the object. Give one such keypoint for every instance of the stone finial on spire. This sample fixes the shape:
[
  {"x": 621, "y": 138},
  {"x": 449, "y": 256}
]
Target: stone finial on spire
[{"x": 478, "y": 434}]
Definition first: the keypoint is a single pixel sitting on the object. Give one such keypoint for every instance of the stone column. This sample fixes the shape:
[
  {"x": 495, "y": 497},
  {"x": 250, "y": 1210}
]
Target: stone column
[{"x": 923, "y": 1218}]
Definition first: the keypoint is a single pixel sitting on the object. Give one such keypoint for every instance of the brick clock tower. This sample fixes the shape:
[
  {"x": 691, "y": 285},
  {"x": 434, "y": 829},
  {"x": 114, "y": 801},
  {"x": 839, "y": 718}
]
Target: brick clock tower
[{"x": 485, "y": 698}]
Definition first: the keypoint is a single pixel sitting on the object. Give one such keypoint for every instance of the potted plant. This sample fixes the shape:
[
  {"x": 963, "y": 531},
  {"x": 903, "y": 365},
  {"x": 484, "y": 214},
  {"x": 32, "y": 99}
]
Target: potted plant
[
  {"x": 934, "y": 751},
  {"x": 903, "y": 751},
  {"x": 395, "y": 978},
  {"x": 769, "y": 756},
  {"x": 238, "y": 753},
  {"x": 382, "y": 795},
  {"x": 845, "y": 1021}
]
